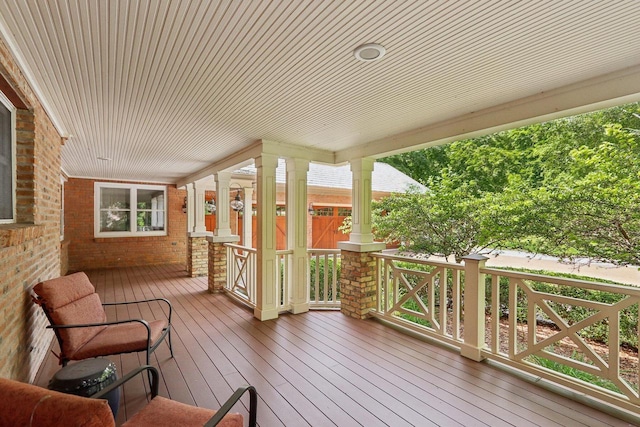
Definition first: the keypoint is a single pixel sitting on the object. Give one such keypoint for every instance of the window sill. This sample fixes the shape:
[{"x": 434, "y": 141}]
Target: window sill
[
  {"x": 16, "y": 234},
  {"x": 126, "y": 239}
]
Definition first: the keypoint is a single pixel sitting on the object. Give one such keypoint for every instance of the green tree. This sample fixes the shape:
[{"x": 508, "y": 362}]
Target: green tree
[
  {"x": 443, "y": 221},
  {"x": 592, "y": 208},
  {"x": 566, "y": 187}
]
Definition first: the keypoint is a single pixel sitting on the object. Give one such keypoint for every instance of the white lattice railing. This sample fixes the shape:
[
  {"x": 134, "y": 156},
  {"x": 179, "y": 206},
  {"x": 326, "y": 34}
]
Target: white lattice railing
[
  {"x": 241, "y": 273},
  {"x": 283, "y": 281},
  {"x": 564, "y": 311},
  {"x": 324, "y": 278},
  {"x": 424, "y": 296},
  {"x": 534, "y": 323}
]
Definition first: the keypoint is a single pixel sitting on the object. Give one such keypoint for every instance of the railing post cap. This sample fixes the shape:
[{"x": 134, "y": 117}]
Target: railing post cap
[{"x": 475, "y": 257}]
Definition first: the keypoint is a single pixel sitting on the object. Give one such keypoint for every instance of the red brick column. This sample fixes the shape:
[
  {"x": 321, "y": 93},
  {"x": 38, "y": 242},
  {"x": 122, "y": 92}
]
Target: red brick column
[
  {"x": 197, "y": 264},
  {"x": 358, "y": 278}
]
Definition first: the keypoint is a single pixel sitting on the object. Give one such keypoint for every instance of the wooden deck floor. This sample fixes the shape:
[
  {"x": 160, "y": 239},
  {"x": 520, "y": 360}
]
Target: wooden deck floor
[{"x": 320, "y": 368}]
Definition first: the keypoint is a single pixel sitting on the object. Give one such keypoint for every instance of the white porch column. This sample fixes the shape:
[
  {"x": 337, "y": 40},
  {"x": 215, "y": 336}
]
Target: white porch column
[
  {"x": 361, "y": 238},
  {"x": 358, "y": 280},
  {"x": 223, "y": 228},
  {"x": 296, "y": 193},
  {"x": 474, "y": 307},
  {"x": 197, "y": 254},
  {"x": 199, "y": 226},
  {"x": 267, "y": 292},
  {"x": 191, "y": 213},
  {"x": 221, "y": 235},
  {"x": 247, "y": 217}
]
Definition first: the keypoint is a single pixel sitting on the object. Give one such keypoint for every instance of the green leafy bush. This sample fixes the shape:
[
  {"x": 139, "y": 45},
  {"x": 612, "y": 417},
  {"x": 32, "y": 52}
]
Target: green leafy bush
[{"x": 317, "y": 283}]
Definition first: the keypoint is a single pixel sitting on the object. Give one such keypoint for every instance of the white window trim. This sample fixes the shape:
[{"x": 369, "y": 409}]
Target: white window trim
[
  {"x": 63, "y": 181},
  {"x": 133, "y": 202},
  {"x": 9, "y": 105}
]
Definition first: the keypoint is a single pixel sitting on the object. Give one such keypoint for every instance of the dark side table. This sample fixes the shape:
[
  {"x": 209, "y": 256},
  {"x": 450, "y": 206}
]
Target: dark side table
[{"x": 87, "y": 377}]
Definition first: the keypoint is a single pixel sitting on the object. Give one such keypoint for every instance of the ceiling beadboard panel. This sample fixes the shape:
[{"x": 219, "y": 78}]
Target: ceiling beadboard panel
[{"x": 164, "y": 88}]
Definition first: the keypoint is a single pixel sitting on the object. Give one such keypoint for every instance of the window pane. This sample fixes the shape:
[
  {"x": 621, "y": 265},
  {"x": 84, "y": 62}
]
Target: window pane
[
  {"x": 114, "y": 220},
  {"x": 150, "y": 216},
  {"x": 323, "y": 212},
  {"x": 150, "y": 221},
  {"x": 6, "y": 164},
  {"x": 143, "y": 221},
  {"x": 146, "y": 198},
  {"x": 115, "y": 198}
]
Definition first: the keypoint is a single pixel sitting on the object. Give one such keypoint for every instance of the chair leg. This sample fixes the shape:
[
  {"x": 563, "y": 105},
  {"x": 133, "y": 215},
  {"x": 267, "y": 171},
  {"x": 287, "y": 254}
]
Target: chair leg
[
  {"x": 149, "y": 375},
  {"x": 170, "y": 345}
]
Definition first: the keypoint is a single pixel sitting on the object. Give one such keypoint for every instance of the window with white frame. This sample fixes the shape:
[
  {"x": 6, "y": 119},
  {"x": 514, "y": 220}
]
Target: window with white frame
[
  {"x": 62, "y": 181},
  {"x": 129, "y": 210},
  {"x": 7, "y": 160}
]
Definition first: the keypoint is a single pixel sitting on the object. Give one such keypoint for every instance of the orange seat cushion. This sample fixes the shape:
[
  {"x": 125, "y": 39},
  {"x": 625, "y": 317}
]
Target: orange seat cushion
[
  {"x": 162, "y": 412},
  {"x": 120, "y": 338},
  {"x": 28, "y": 405}
]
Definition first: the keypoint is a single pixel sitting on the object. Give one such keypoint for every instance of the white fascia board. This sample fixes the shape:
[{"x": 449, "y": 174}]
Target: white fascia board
[
  {"x": 601, "y": 92},
  {"x": 284, "y": 150},
  {"x": 236, "y": 160},
  {"x": 245, "y": 157}
]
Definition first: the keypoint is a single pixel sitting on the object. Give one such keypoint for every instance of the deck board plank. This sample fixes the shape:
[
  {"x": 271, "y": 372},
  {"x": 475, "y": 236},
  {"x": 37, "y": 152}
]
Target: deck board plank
[
  {"x": 319, "y": 368},
  {"x": 406, "y": 372},
  {"x": 493, "y": 381}
]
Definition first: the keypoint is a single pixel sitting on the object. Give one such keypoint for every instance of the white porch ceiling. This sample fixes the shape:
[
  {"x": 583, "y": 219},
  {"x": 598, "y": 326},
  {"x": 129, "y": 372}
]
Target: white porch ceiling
[{"x": 167, "y": 88}]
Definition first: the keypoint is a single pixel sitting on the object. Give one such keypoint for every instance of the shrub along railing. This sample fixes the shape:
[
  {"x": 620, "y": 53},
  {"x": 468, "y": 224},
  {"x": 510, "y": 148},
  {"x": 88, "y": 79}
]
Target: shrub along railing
[
  {"x": 324, "y": 278},
  {"x": 580, "y": 334}
]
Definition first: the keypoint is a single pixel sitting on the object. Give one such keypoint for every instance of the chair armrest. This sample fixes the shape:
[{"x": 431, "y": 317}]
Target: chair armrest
[
  {"x": 90, "y": 325},
  {"x": 130, "y": 375},
  {"x": 115, "y": 322},
  {"x": 224, "y": 409},
  {"x": 166, "y": 301}
]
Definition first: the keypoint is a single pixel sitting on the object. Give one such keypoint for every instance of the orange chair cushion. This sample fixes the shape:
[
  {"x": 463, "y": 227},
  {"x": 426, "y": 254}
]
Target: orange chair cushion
[
  {"x": 120, "y": 338},
  {"x": 56, "y": 293},
  {"x": 162, "y": 412},
  {"x": 71, "y": 300},
  {"x": 28, "y": 405}
]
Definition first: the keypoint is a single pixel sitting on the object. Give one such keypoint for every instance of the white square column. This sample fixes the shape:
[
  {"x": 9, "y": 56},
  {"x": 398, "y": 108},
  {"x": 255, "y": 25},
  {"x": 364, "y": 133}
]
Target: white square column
[
  {"x": 223, "y": 227},
  {"x": 296, "y": 196},
  {"x": 361, "y": 238},
  {"x": 198, "y": 203},
  {"x": 191, "y": 214},
  {"x": 247, "y": 217},
  {"x": 267, "y": 268}
]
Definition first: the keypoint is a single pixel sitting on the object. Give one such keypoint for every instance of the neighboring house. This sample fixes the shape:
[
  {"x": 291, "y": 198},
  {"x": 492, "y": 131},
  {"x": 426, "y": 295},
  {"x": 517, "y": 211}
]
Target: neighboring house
[{"x": 328, "y": 197}]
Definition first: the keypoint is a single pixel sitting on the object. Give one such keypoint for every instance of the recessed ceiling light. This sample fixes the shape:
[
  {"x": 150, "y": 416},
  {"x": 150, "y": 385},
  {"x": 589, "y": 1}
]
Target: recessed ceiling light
[{"x": 369, "y": 52}]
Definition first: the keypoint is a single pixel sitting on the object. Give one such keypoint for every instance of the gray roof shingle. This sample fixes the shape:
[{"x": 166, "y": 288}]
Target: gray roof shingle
[{"x": 385, "y": 177}]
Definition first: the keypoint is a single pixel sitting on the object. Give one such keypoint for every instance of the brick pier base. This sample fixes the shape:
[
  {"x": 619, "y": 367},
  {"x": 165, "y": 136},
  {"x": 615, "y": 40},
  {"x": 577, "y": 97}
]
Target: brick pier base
[
  {"x": 217, "y": 267},
  {"x": 357, "y": 284},
  {"x": 197, "y": 255}
]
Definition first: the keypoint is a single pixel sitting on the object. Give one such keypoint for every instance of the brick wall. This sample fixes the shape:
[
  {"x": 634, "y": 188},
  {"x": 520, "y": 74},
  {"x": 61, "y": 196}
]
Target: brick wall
[
  {"x": 87, "y": 252},
  {"x": 64, "y": 257},
  {"x": 29, "y": 249}
]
